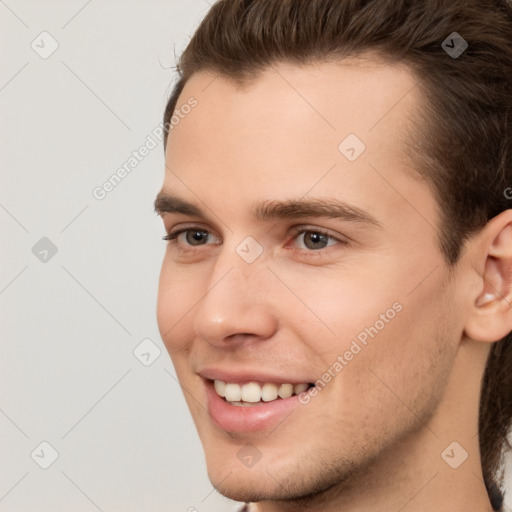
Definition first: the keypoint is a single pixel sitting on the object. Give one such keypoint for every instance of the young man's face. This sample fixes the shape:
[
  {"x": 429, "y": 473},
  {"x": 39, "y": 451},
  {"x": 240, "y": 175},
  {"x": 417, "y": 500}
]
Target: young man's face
[{"x": 268, "y": 288}]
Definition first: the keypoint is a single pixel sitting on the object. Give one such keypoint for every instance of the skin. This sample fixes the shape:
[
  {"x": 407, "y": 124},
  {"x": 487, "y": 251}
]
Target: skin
[{"x": 372, "y": 439}]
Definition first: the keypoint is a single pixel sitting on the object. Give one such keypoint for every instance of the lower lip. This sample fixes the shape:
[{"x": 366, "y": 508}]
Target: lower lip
[{"x": 234, "y": 418}]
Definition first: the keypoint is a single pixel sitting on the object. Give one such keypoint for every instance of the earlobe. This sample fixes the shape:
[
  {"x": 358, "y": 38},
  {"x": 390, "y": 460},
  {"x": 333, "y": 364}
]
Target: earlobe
[{"x": 490, "y": 317}]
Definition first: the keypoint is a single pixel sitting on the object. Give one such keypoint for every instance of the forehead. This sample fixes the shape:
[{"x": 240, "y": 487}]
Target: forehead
[
  {"x": 351, "y": 95},
  {"x": 294, "y": 130}
]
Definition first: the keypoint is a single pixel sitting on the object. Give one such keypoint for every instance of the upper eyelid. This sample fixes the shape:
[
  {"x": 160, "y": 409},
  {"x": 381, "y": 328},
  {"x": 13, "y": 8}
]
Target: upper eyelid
[
  {"x": 296, "y": 229},
  {"x": 310, "y": 229},
  {"x": 186, "y": 227}
]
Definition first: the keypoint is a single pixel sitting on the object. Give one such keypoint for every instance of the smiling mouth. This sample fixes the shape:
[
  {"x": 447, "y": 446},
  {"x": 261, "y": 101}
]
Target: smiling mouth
[{"x": 254, "y": 393}]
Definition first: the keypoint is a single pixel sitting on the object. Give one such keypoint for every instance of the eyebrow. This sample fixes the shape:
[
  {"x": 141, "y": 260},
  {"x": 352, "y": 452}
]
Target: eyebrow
[
  {"x": 273, "y": 210},
  {"x": 167, "y": 203}
]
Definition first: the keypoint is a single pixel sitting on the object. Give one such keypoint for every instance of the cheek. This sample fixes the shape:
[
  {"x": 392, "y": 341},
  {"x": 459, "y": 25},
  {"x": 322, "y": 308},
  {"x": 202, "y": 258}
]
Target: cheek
[
  {"x": 338, "y": 309},
  {"x": 399, "y": 375},
  {"x": 176, "y": 297}
]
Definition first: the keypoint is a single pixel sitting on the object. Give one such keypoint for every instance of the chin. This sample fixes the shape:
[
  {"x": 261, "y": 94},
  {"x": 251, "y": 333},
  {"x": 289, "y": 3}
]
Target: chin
[
  {"x": 253, "y": 488},
  {"x": 295, "y": 478}
]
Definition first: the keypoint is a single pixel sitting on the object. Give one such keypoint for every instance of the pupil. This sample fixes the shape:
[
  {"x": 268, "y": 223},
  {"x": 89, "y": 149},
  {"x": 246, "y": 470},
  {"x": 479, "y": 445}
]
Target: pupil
[{"x": 315, "y": 238}]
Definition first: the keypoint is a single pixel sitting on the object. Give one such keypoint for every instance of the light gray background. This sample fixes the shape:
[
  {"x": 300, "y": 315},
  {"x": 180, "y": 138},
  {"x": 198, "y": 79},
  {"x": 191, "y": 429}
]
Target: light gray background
[{"x": 70, "y": 324}]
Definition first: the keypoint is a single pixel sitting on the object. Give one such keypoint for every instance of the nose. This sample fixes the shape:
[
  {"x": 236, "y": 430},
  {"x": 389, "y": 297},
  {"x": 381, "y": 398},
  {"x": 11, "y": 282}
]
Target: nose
[{"x": 237, "y": 306}]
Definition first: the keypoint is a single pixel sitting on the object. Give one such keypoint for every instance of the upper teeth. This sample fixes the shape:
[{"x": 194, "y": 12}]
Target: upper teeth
[{"x": 254, "y": 392}]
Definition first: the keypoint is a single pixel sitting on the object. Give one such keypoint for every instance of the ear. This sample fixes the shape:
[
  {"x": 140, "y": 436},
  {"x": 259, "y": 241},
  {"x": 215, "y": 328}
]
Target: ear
[{"x": 490, "y": 316}]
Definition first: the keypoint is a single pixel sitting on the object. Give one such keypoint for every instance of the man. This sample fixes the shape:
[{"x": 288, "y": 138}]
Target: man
[{"x": 336, "y": 290}]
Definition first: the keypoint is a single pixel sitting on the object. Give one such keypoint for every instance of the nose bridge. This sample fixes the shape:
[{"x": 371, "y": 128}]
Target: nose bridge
[{"x": 234, "y": 301}]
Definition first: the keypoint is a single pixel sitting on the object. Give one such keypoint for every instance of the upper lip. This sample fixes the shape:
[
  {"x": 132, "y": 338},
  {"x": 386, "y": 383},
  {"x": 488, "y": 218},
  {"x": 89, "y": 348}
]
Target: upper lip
[{"x": 249, "y": 375}]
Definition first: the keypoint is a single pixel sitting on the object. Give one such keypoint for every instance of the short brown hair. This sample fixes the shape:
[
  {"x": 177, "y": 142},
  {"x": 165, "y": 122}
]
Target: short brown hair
[{"x": 465, "y": 142}]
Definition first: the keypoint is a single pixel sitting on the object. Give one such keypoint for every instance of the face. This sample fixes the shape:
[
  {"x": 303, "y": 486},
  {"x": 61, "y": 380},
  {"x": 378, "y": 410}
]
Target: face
[{"x": 300, "y": 258}]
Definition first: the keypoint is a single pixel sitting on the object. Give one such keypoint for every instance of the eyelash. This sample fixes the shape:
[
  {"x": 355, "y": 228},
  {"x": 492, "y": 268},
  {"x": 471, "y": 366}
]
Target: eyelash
[{"x": 173, "y": 235}]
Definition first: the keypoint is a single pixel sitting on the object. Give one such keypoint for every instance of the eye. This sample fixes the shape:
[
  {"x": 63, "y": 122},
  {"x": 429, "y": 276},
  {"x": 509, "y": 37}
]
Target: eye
[
  {"x": 189, "y": 236},
  {"x": 314, "y": 239}
]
